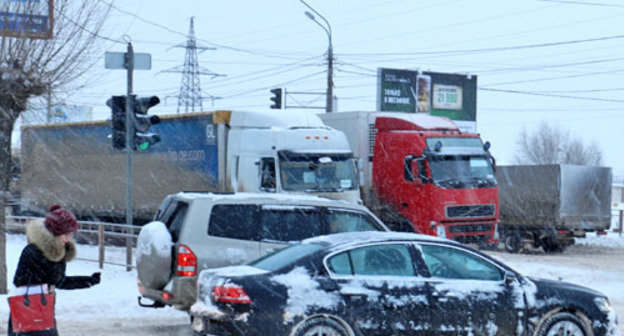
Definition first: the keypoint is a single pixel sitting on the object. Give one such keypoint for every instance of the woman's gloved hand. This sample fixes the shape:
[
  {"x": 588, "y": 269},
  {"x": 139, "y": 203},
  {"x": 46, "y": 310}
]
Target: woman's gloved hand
[{"x": 95, "y": 278}]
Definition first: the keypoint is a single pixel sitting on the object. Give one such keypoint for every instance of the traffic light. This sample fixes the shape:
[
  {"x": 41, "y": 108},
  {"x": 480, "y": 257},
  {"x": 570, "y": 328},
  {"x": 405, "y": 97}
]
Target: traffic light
[
  {"x": 118, "y": 120},
  {"x": 143, "y": 121},
  {"x": 277, "y": 99}
]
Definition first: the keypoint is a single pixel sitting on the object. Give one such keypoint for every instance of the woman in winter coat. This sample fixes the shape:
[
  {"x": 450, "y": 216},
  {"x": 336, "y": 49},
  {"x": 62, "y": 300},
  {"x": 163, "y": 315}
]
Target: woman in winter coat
[{"x": 44, "y": 259}]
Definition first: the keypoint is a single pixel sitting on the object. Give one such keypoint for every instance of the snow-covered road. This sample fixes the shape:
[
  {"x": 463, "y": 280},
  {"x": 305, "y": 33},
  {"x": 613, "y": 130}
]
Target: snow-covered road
[{"x": 596, "y": 262}]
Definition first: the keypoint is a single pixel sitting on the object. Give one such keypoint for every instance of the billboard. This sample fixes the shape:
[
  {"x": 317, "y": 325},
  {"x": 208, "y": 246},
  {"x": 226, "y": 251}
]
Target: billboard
[
  {"x": 439, "y": 94},
  {"x": 26, "y": 18}
]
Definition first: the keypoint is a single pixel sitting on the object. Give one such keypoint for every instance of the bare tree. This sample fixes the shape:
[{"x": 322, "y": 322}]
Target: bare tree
[
  {"x": 32, "y": 67},
  {"x": 549, "y": 144}
]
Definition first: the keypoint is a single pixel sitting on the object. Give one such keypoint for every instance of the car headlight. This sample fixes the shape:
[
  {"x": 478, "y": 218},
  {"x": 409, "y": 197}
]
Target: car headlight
[{"x": 603, "y": 304}]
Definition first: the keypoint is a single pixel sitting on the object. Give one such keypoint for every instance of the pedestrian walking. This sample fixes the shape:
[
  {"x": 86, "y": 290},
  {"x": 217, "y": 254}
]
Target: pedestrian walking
[{"x": 41, "y": 270}]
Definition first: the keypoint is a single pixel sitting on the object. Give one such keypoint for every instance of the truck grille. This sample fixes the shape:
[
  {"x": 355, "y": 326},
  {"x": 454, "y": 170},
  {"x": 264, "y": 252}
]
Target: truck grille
[
  {"x": 470, "y": 211},
  {"x": 470, "y": 228}
]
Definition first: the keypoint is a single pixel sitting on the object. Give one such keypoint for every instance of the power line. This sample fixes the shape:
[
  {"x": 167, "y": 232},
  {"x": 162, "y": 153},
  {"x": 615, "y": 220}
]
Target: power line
[
  {"x": 472, "y": 51},
  {"x": 558, "y": 77},
  {"x": 568, "y": 2},
  {"x": 266, "y": 54},
  {"x": 549, "y": 95},
  {"x": 82, "y": 27}
]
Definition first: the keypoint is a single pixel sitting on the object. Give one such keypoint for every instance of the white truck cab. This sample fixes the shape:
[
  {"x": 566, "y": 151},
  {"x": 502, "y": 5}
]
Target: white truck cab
[{"x": 288, "y": 152}]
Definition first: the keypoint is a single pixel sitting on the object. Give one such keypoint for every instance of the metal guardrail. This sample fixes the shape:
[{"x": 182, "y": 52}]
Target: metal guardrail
[{"x": 113, "y": 233}]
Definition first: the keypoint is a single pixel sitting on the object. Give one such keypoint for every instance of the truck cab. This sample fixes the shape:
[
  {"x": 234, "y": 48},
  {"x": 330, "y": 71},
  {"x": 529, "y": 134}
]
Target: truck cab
[
  {"x": 440, "y": 179},
  {"x": 292, "y": 153}
]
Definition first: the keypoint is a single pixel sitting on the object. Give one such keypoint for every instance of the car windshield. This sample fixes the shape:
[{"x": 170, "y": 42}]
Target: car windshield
[
  {"x": 281, "y": 258},
  {"x": 349, "y": 221},
  {"x": 462, "y": 171},
  {"x": 314, "y": 172}
]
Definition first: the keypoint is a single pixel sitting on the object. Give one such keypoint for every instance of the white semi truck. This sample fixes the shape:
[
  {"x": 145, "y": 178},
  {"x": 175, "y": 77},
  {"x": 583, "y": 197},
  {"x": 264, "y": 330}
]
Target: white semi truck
[{"x": 75, "y": 165}]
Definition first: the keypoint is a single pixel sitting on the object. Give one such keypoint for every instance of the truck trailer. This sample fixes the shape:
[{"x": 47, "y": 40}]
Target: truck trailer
[
  {"x": 420, "y": 173},
  {"x": 74, "y": 164},
  {"x": 549, "y": 205}
]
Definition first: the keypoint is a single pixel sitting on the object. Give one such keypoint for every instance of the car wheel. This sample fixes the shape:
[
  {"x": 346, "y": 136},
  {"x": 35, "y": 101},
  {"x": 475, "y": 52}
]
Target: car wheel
[
  {"x": 563, "y": 324},
  {"x": 321, "y": 326}
]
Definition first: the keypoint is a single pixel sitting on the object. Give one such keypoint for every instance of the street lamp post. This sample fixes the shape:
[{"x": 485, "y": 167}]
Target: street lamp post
[{"x": 329, "y": 105}]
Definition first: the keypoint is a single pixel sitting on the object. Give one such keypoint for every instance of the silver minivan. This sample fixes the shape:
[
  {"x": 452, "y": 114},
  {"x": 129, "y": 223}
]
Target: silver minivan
[{"x": 207, "y": 230}]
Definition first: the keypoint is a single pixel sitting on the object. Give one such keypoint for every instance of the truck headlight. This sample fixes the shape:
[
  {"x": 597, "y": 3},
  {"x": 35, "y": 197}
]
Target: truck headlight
[
  {"x": 603, "y": 304},
  {"x": 441, "y": 231}
]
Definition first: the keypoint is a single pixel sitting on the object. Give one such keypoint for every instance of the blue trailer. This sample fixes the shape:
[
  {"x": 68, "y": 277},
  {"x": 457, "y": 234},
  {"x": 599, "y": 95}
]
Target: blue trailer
[{"x": 74, "y": 164}]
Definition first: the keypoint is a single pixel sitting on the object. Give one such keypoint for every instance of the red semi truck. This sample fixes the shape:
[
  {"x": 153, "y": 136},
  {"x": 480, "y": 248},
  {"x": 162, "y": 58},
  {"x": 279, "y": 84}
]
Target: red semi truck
[{"x": 421, "y": 173}]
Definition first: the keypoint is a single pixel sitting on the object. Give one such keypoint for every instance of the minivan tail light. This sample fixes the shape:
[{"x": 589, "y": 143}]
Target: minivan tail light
[
  {"x": 187, "y": 262},
  {"x": 230, "y": 293}
]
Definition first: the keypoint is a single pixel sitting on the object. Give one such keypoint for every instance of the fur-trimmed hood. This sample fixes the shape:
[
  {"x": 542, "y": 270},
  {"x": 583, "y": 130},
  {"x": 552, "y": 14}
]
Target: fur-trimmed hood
[{"x": 52, "y": 248}]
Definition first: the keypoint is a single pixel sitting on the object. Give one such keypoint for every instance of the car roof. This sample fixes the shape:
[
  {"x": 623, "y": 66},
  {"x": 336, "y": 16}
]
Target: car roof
[
  {"x": 349, "y": 239},
  {"x": 266, "y": 198}
]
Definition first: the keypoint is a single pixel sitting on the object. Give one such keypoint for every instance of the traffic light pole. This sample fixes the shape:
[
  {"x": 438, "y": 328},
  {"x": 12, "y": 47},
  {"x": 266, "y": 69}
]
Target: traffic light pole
[{"x": 129, "y": 148}]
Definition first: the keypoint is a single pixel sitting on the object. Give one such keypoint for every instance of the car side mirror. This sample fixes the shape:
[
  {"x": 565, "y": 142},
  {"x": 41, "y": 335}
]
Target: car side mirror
[{"x": 510, "y": 278}]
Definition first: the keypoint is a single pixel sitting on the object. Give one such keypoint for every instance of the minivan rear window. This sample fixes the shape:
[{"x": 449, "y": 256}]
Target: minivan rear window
[{"x": 236, "y": 221}]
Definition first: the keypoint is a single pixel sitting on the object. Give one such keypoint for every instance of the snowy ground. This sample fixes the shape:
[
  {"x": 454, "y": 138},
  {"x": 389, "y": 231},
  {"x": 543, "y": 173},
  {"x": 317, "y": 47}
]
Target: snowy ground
[
  {"x": 596, "y": 262},
  {"x": 110, "y": 305}
]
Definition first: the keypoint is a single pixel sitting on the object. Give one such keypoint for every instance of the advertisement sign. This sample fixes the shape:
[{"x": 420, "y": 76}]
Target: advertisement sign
[
  {"x": 396, "y": 90},
  {"x": 423, "y": 87},
  {"x": 26, "y": 18},
  {"x": 447, "y": 97},
  {"x": 439, "y": 94},
  {"x": 455, "y": 97}
]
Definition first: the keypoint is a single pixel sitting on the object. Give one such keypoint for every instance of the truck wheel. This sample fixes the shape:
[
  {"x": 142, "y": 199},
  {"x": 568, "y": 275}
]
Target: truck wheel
[
  {"x": 563, "y": 324},
  {"x": 512, "y": 241},
  {"x": 321, "y": 326},
  {"x": 551, "y": 245}
]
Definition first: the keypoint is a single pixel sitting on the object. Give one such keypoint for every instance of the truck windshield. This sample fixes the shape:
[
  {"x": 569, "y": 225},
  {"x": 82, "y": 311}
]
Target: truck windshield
[
  {"x": 317, "y": 172},
  {"x": 451, "y": 171}
]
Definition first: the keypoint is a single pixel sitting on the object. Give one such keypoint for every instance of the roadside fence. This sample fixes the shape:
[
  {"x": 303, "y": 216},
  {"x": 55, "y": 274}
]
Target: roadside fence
[{"x": 100, "y": 233}]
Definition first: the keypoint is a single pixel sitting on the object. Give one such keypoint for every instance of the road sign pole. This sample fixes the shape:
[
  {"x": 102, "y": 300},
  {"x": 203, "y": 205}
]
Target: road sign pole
[
  {"x": 129, "y": 61},
  {"x": 129, "y": 145}
]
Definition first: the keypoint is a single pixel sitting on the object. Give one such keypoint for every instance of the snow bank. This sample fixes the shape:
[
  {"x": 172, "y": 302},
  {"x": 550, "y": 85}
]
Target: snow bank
[
  {"x": 114, "y": 298},
  {"x": 610, "y": 240}
]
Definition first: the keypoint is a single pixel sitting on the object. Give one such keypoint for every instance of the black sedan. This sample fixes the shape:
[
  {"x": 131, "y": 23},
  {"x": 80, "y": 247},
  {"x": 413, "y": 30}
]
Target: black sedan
[{"x": 388, "y": 283}]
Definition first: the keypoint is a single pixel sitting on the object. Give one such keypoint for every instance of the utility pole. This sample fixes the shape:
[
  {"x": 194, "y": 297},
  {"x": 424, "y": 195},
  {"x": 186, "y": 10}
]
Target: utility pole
[
  {"x": 330, "y": 77},
  {"x": 329, "y": 103},
  {"x": 129, "y": 146}
]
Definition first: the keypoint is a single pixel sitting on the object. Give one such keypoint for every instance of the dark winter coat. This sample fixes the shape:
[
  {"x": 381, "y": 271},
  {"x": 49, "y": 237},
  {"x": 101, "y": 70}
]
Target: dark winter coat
[{"x": 43, "y": 261}]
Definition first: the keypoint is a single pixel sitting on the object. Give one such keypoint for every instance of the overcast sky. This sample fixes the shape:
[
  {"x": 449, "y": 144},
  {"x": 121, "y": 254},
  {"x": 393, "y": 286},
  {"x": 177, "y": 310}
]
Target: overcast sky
[{"x": 559, "y": 60}]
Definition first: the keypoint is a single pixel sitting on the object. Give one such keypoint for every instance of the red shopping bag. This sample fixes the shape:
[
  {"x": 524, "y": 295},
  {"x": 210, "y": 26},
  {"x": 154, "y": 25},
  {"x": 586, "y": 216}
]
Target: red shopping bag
[{"x": 32, "y": 312}]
